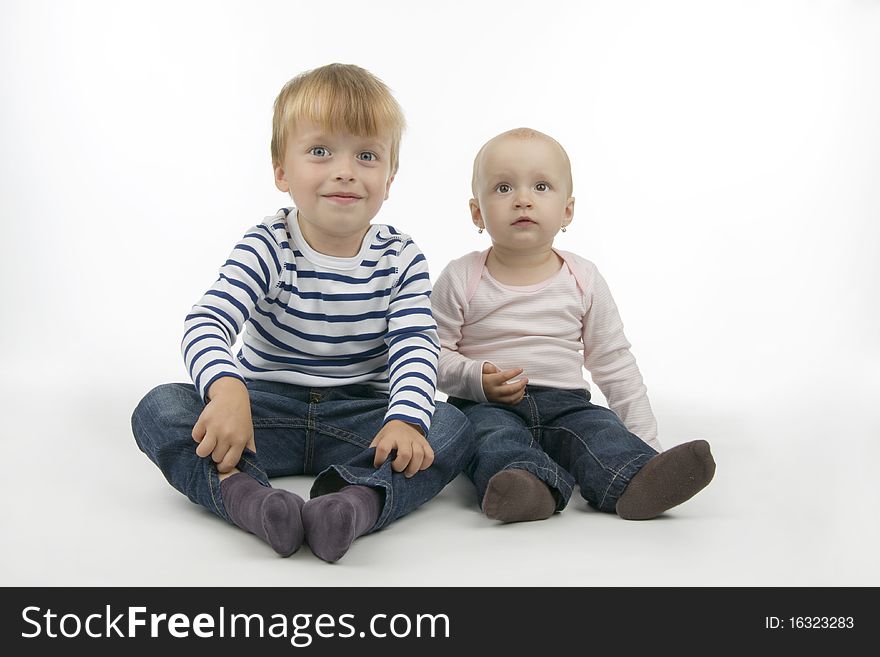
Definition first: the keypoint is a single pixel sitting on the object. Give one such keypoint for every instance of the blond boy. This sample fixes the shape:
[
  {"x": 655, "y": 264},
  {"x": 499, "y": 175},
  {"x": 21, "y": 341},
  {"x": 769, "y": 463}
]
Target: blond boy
[{"x": 336, "y": 373}]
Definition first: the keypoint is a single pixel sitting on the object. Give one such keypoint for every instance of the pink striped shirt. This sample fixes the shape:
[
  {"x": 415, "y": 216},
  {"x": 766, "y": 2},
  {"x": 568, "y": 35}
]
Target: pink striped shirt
[{"x": 552, "y": 330}]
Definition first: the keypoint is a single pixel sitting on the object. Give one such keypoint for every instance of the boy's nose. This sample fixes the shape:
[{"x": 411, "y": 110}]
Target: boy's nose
[{"x": 345, "y": 175}]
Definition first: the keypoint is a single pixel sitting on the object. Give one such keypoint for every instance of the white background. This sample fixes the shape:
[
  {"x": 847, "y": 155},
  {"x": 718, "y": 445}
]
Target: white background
[{"x": 726, "y": 160}]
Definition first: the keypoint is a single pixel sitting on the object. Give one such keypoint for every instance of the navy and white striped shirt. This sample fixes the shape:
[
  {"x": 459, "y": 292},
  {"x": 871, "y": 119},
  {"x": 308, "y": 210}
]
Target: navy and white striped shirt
[{"x": 319, "y": 321}]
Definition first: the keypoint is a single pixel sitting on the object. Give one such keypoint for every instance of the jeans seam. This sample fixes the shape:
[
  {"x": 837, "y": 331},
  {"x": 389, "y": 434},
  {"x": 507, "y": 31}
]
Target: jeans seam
[
  {"x": 214, "y": 498},
  {"x": 389, "y": 492},
  {"x": 308, "y": 456},
  {"x": 616, "y": 474},
  {"x": 556, "y": 479},
  {"x": 533, "y": 411}
]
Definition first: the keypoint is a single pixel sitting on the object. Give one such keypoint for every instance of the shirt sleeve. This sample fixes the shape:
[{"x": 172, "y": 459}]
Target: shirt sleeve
[
  {"x": 612, "y": 365},
  {"x": 212, "y": 326},
  {"x": 459, "y": 376},
  {"x": 413, "y": 346}
]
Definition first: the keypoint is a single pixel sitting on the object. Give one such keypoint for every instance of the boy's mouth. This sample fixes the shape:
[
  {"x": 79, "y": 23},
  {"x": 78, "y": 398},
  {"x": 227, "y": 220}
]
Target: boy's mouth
[{"x": 343, "y": 198}]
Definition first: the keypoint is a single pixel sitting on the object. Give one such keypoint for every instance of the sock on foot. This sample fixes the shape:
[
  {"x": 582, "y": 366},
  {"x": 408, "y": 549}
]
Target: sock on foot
[
  {"x": 333, "y": 521},
  {"x": 667, "y": 480},
  {"x": 517, "y": 495},
  {"x": 270, "y": 513}
]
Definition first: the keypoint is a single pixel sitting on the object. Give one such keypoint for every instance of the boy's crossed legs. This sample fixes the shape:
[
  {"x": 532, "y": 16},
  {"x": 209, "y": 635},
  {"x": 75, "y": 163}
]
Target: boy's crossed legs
[
  {"x": 300, "y": 431},
  {"x": 529, "y": 455}
]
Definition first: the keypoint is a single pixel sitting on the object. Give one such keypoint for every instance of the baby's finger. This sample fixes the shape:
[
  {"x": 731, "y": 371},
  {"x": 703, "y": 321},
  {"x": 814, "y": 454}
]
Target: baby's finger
[{"x": 507, "y": 375}]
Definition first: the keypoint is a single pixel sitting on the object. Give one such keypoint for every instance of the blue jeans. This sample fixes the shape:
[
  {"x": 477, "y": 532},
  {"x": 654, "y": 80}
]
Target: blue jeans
[
  {"x": 298, "y": 430},
  {"x": 561, "y": 438}
]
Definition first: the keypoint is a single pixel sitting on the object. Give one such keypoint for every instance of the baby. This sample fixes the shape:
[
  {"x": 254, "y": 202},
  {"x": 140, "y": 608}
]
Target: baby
[{"x": 525, "y": 309}]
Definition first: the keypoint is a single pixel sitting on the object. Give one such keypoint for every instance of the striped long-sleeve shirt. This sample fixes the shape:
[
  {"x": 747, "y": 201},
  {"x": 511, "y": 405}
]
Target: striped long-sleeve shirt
[
  {"x": 542, "y": 328},
  {"x": 320, "y": 321}
]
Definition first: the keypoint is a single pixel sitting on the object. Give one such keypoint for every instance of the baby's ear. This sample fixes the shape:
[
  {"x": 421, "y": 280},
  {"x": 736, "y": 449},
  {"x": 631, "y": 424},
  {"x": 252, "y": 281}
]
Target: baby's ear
[
  {"x": 476, "y": 214},
  {"x": 281, "y": 180},
  {"x": 569, "y": 210}
]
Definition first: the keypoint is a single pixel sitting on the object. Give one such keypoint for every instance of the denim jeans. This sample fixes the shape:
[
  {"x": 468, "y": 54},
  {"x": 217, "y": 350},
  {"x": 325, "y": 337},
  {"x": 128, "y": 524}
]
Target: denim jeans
[
  {"x": 299, "y": 430},
  {"x": 561, "y": 438}
]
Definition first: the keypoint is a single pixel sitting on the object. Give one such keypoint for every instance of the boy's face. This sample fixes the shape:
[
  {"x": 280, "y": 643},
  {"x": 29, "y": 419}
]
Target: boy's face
[
  {"x": 522, "y": 196},
  {"x": 338, "y": 182}
]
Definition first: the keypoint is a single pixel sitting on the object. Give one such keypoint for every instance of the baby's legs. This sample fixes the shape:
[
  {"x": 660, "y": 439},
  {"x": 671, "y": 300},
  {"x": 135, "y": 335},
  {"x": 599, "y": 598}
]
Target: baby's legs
[
  {"x": 162, "y": 425},
  {"x": 515, "y": 480},
  {"x": 616, "y": 470}
]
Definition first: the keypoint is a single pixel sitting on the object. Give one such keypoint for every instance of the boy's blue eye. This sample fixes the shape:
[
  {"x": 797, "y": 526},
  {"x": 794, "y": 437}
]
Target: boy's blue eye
[
  {"x": 367, "y": 156},
  {"x": 319, "y": 151}
]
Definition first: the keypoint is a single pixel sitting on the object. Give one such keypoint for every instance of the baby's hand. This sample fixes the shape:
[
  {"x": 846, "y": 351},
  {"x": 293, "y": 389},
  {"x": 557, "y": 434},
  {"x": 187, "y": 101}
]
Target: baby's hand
[
  {"x": 497, "y": 389},
  {"x": 225, "y": 427},
  {"x": 413, "y": 451}
]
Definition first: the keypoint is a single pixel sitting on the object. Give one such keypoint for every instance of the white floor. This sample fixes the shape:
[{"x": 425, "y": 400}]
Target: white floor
[{"x": 83, "y": 506}]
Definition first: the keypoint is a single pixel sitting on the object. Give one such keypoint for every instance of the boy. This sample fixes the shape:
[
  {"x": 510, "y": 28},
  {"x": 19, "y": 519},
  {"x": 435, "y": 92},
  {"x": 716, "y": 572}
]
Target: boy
[
  {"x": 336, "y": 374},
  {"x": 525, "y": 308}
]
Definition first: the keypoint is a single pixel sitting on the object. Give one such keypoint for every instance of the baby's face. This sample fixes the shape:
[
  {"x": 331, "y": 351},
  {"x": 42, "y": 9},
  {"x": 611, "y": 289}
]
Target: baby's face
[
  {"x": 338, "y": 181},
  {"x": 523, "y": 198}
]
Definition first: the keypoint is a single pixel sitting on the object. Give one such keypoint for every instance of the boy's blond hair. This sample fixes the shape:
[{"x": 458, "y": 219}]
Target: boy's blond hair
[
  {"x": 521, "y": 133},
  {"x": 339, "y": 98}
]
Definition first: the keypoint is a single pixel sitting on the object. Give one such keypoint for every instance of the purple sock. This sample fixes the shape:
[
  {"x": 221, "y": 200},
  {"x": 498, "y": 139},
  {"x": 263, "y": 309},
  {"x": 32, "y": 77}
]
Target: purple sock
[
  {"x": 333, "y": 521},
  {"x": 271, "y": 513}
]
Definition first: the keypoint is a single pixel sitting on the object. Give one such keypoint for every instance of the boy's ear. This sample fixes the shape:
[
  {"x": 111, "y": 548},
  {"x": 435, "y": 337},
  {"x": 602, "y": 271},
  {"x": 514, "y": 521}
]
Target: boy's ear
[
  {"x": 281, "y": 180},
  {"x": 388, "y": 186},
  {"x": 476, "y": 215}
]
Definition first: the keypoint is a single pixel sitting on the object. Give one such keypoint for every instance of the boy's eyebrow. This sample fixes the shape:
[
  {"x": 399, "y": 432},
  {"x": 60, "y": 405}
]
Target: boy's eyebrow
[{"x": 323, "y": 135}]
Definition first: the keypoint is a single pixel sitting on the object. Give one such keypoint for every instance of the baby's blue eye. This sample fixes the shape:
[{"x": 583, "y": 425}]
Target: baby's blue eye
[
  {"x": 542, "y": 187},
  {"x": 503, "y": 188},
  {"x": 319, "y": 151},
  {"x": 367, "y": 156}
]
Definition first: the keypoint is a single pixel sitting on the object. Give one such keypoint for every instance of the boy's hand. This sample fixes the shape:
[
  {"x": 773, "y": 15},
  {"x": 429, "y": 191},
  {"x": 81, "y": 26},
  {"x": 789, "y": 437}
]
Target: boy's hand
[
  {"x": 225, "y": 427},
  {"x": 497, "y": 389},
  {"x": 413, "y": 451}
]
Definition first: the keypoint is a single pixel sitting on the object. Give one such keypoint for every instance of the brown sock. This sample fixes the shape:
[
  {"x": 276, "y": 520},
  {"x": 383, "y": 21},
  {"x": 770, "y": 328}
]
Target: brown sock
[
  {"x": 667, "y": 480},
  {"x": 517, "y": 495}
]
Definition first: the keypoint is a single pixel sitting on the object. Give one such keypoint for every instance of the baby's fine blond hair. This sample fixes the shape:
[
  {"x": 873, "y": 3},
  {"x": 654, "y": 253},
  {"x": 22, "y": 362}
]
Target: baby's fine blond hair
[
  {"x": 520, "y": 133},
  {"x": 339, "y": 98}
]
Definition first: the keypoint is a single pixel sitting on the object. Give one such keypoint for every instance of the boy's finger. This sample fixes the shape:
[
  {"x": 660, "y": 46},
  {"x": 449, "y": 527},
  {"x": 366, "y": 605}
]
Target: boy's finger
[
  {"x": 219, "y": 452},
  {"x": 382, "y": 452},
  {"x": 415, "y": 463},
  {"x": 198, "y": 431},
  {"x": 429, "y": 457},
  {"x": 233, "y": 456},
  {"x": 404, "y": 454},
  {"x": 206, "y": 446}
]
